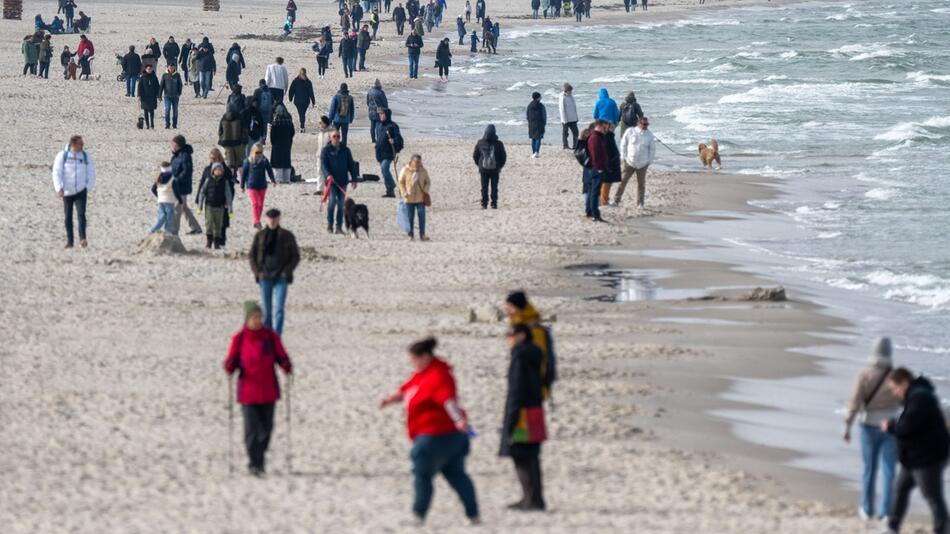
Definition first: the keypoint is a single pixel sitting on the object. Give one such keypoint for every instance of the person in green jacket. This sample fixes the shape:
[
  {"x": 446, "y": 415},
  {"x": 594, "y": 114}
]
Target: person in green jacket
[{"x": 31, "y": 55}]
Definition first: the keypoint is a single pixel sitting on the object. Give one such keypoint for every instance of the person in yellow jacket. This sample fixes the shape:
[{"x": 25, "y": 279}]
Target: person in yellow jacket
[
  {"x": 521, "y": 312},
  {"x": 414, "y": 189}
]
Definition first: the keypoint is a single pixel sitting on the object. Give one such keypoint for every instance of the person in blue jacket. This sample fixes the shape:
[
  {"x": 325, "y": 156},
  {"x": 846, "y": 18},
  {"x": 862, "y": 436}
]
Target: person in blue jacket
[
  {"x": 338, "y": 167},
  {"x": 342, "y": 111},
  {"x": 606, "y": 109}
]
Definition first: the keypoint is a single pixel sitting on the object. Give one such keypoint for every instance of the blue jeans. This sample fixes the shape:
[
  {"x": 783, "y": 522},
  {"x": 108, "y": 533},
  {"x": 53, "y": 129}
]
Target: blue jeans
[
  {"x": 204, "y": 78},
  {"x": 166, "y": 218},
  {"x": 593, "y": 192},
  {"x": 130, "y": 84},
  {"x": 344, "y": 128},
  {"x": 535, "y": 146},
  {"x": 877, "y": 447},
  {"x": 273, "y": 296},
  {"x": 171, "y": 105},
  {"x": 444, "y": 453},
  {"x": 534, "y": 13},
  {"x": 385, "y": 168},
  {"x": 335, "y": 207},
  {"x": 362, "y": 56},
  {"x": 419, "y": 208},
  {"x": 372, "y": 130},
  {"x": 413, "y": 65}
]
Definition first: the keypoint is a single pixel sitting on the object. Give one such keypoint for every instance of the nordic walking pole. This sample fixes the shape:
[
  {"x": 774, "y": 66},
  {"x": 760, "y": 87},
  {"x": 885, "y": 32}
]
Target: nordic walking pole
[
  {"x": 231, "y": 424},
  {"x": 290, "y": 387}
]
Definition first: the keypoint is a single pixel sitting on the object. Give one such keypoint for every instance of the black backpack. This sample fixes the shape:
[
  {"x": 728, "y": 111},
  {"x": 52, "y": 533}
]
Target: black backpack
[
  {"x": 488, "y": 161},
  {"x": 398, "y": 142},
  {"x": 582, "y": 155},
  {"x": 631, "y": 114}
]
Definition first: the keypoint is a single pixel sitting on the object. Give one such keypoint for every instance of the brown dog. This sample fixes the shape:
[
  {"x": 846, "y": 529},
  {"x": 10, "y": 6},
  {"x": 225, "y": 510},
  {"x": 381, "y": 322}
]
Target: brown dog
[{"x": 709, "y": 154}]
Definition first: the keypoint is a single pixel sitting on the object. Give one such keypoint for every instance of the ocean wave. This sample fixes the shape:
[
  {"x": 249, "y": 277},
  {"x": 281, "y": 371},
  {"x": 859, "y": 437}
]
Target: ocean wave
[
  {"x": 776, "y": 92},
  {"x": 922, "y": 289},
  {"x": 928, "y": 349},
  {"x": 861, "y": 52},
  {"x": 845, "y": 283},
  {"x": 828, "y": 235},
  {"x": 696, "y": 118},
  {"x": 923, "y": 77},
  {"x": 683, "y": 60},
  {"x": 521, "y": 84},
  {"x": 931, "y": 128},
  {"x": 881, "y": 193}
]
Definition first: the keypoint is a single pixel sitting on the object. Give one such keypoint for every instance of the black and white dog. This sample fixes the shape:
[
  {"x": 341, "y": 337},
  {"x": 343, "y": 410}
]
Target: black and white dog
[{"x": 355, "y": 216}]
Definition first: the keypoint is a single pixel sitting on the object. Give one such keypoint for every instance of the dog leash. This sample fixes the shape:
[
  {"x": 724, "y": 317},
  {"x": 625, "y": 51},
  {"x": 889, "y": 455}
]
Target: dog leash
[
  {"x": 326, "y": 192},
  {"x": 671, "y": 150}
]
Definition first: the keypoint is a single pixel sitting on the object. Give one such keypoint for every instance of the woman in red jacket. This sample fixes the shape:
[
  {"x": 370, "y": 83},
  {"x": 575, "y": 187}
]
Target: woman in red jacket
[
  {"x": 437, "y": 427},
  {"x": 254, "y": 351}
]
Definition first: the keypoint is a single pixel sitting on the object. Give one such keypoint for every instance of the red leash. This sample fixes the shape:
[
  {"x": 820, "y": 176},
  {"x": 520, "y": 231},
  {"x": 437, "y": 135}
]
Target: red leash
[{"x": 326, "y": 192}]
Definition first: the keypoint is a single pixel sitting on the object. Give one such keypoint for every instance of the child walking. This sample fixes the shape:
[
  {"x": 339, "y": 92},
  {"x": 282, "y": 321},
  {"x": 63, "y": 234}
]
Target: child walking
[{"x": 164, "y": 191}]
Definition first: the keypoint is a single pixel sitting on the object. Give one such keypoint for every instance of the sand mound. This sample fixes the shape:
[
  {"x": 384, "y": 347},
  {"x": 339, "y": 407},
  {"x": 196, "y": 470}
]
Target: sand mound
[
  {"x": 161, "y": 244},
  {"x": 774, "y": 294}
]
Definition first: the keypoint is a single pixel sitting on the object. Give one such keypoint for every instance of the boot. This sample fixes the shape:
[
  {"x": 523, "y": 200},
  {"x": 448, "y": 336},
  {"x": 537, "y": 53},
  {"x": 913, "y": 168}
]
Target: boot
[{"x": 209, "y": 241}]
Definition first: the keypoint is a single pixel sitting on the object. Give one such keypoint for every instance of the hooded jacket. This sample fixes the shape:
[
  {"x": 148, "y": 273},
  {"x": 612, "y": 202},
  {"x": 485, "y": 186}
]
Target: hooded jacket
[
  {"x": 921, "y": 431},
  {"x": 182, "y": 169},
  {"x": 443, "y": 55},
  {"x": 281, "y": 139},
  {"x": 638, "y": 147},
  {"x": 73, "y": 173},
  {"x": 171, "y": 50},
  {"x": 205, "y": 56},
  {"x": 148, "y": 91},
  {"x": 524, "y": 388},
  {"x": 254, "y": 353},
  {"x": 541, "y": 338},
  {"x": 375, "y": 100},
  {"x": 630, "y": 109},
  {"x": 231, "y": 130},
  {"x": 336, "y": 116},
  {"x": 606, "y": 109},
  {"x": 385, "y": 131},
  {"x": 483, "y": 147},
  {"x": 215, "y": 192}
]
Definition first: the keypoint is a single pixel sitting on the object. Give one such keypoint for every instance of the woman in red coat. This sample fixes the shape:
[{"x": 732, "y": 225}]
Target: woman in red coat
[
  {"x": 437, "y": 427},
  {"x": 254, "y": 351}
]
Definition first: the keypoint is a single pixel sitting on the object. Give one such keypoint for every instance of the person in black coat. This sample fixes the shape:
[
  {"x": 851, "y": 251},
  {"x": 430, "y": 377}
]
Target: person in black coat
[
  {"x": 923, "y": 446},
  {"x": 537, "y": 117},
  {"x": 301, "y": 94},
  {"x": 443, "y": 59},
  {"x": 152, "y": 49},
  {"x": 613, "y": 174},
  {"x": 490, "y": 157},
  {"x": 149, "y": 90},
  {"x": 524, "y": 391},
  {"x": 131, "y": 69},
  {"x": 388, "y": 141},
  {"x": 399, "y": 17},
  {"x": 235, "y": 65},
  {"x": 171, "y": 51},
  {"x": 282, "y": 140}
]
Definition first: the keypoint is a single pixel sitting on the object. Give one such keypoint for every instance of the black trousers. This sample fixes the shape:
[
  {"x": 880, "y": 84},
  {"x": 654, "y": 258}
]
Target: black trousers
[
  {"x": 930, "y": 481},
  {"x": 443, "y": 71},
  {"x": 149, "y": 117},
  {"x": 400, "y": 26},
  {"x": 79, "y": 201},
  {"x": 302, "y": 111},
  {"x": 278, "y": 95},
  {"x": 258, "y": 424},
  {"x": 322, "y": 65},
  {"x": 44, "y": 69},
  {"x": 489, "y": 179},
  {"x": 527, "y": 460},
  {"x": 569, "y": 127}
]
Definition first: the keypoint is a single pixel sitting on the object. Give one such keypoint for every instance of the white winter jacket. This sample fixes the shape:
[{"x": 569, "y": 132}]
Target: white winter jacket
[
  {"x": 568, "y": 108},
  {"x": 73, "y": 173},
  {"x": 276, "y": 76},
  {"x": 638, "y": 147}
]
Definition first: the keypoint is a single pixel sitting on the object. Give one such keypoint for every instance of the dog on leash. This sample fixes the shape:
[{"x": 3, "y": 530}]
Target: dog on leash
[
  {"x": 355, "y": 216},
  {"x": 710, "y": 154}
]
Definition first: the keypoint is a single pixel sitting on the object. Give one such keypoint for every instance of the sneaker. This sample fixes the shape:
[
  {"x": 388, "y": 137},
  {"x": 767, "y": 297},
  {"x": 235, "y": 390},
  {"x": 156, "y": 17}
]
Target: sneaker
[
  {"x": 68, "y": 245},
  {"x": 863, "y": 514},
  {"x": 83, "y": 243},
  {"x": 389, "y": 194}
]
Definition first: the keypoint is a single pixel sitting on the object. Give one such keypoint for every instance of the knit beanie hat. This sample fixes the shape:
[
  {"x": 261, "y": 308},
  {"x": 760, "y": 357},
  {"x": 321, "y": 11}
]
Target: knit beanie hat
[
  {"x": 517, "y": 299},
  {"x": 883, "y": 350},
  {"x": 250, "y": 308}
]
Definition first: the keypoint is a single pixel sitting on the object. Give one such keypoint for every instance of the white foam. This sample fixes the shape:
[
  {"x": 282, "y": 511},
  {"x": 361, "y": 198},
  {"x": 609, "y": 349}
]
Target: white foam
[
  {"x": 788, "y": 55},
  {"x": 828, "y": 235},
  {"x": 881, "y": 193},
  {"x": 778, "y": 92},
  {"x": 907, "y": 131},
  {"x": 845, "y": 283},
  {"x": 923, "y": 77}
]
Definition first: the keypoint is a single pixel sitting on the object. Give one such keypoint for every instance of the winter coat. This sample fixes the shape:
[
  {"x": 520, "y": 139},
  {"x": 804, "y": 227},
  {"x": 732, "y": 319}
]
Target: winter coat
[
  {"x": 205, "y": 57},
  {"x": 363, "y": 39},
  {"x": 635, "y": 113},
  {"x": 153, "y": 50},
  {"x": 182, "y": 170},
  {"x": 484, "y": 145},
  {"x": 347, "y": 47},
  {"x": 399, "y": 15},
  {"x": 335, "y": 116},
  {"x": 44, "y": 51},
  {"x": 414, "y": 44},
  {"x": 148, "y": 91},
  {"x": 73, "y": 173},
  {"x": 524, "y": 388},
  {"x": 375, "y": 100},
  {"x": 31, "y": 53},
  {"x": 613, "y": 159},
  {"x": 131, "y": 64},
  {"x": 568, "y": 108},
  {"x": 537, "y": 117},
  {"x": 254, "y": 353},
  {"x": 384, "y": 131},
  {"x": 240, "y": 58},
  {"x": 301, "y": 93},
  {"x": 606, "y": 109},
  {"x": 215, "y": 192},
  {"x": 875, "y": 406},
  {"x": 420, "y": 28},
  {"x": 85, "y": 44},
  {"x": 265, "y": 103},
  {"x": 638, "y": 147},
  {"x": 443, "y": 56},
  {"x": 253, "y": 123},
  {"x": 921, "y": 431},
  {"x": 596, "y": 147},
  {"x": 233, "y": 73},
  {"x": 255, "y": 175},
  {"x": 171, "y": 52},
  {"x": 286, "y": 254},
  {"x": 413, "y": 190},
  {"x": 237, "y": 103},
  {"x": 276, "y": 77},
  {"x": 338, "y": 162},
  {"x": 65, "y": 56},
  {"x": 184, "y": 56},
  {"x": 281, "y": 142},
  {"x": 171, "y": 85},
  {"x": 231, "y": 130}
]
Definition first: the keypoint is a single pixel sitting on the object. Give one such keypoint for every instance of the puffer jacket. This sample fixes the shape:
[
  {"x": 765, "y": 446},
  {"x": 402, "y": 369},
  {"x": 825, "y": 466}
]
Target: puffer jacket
[
  {"x": 215, "y": 192},
  {"x": 921, "y": 431},
  {"x": 255, "y": 175},
  {"x": 413, "y": 190},
  {"x": 254, "y": 353},
  {"x": 182, "y": 170},
  {"x": 231, "y": 130}
]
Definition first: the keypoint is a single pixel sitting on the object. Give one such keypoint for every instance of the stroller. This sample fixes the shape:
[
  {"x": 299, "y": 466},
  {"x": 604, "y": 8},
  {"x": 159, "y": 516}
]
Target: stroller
[{"x": 118, "y": 61}]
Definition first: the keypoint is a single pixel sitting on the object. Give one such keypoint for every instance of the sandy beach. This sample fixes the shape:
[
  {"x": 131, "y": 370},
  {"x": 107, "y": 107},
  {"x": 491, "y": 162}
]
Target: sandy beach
[{"x": 115, "y": 412}]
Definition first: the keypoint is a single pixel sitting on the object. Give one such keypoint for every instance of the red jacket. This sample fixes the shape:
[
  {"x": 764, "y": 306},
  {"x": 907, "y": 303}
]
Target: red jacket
[
  {"x": 84, "y": 45},
  {"x": 255, "y": 352},
  {"x": 425, "y": 394},
  {"x": 597, "y": 148}
]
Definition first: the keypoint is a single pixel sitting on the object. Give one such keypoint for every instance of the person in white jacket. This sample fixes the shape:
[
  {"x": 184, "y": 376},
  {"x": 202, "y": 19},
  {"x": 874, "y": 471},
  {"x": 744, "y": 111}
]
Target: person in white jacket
[
  {"x": 74, "y": 175},
  {"x": 277, "y": 80},
  {"x": 568, "y": 109},
  {"x": 637, "y": 150}
]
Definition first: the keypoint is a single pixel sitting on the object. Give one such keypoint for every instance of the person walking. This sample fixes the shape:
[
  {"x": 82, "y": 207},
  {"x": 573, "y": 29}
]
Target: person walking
[
  {"x": 170, "y": 91},
  {"x": 254, "y": 174},
  {"x": 255, "y": 127},
  {"x": 348, "y": 54},
  {"x": 325, "y": 48},
  {"x": 237, "y": 102},
  {"x": 44, "y": 55},
  {"x": 131, "y": 69},
  {"x": 460, "y": 28},
  {"x": 182, "y": 172},
  {"x": 235, "y": 65},
  {"x": 338, "y": 167},
  {"x": 30, "y": 55},
  {"x": 216, "y": 199},
  {"x": 399, "y": 17},
  {"x": 605, "y": 108},
  {"x": 637, "y": 148},
  {"x": 148, "y": 90},
  {"x": 206, "y": 66},
  {"x": 171, "y": 51},
  {"x": 374, "y": 23},
  {"x": 254, "y": 352},
  {"x": 282, "y": 142},
  {"x": 233, "y": 139},
  {"x": 568, "y": 111},
  {"x": 265, "y": 104},
  {"x": 274, "y": 255},
  {"x": 363, "y": 40},
  {"x": 468, "y": 11},
  {"x": 388, "y": 142},
  {"x": 194, "y": 69},
  {"x": 184, "y": 59},
  {"x": 595, "y": 175},
  {"x": 443, "y": 58},
  {"x": 301, "y": 94},
  {"x": 523, "y": 428},
  {"x": 537, "y": 117},
  {"x": 923, "y": 445},
  {"x": 292, "y": 11},
  {"x": 215, "y": 156},
  {"x": 342, "y": 111},
  {"x": 414, "y": 186},
  {"x": 438, "y": 428},
  {"x": 74, "y": 176},
  {"x": 375, "y": 100},
  {"x": 277, "y": 79},
  {"x": 875, "y": 403},
  {"x": 414, "y": 45},
  {"x": 630, "y": 113},
  {"x": 490, "y": 157}
]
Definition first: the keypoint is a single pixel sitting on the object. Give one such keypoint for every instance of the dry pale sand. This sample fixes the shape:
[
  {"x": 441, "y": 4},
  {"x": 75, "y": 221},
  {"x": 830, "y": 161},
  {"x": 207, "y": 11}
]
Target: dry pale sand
[{"x": 114, "y": 408}]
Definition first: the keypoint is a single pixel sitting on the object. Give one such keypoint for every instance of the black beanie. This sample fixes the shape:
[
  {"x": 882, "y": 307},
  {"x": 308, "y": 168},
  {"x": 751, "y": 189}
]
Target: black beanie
[{"x": 517, "y": 299}]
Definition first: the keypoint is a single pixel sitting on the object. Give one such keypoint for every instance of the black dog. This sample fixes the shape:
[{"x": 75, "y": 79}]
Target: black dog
[{"x": 356, "y": 216}]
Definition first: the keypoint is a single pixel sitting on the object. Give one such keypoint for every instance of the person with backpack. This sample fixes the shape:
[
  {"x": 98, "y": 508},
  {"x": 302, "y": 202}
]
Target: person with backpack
[
  {"x": 254, "y": 125},
  {"x": 170, "y": 92},
  {"x": 537, "y": 117},
  {"x": 232, "y": 138},
  {"x": 254, "y": 175},
  {"x": 182, "y": 171},
  {"x": 375, "y": 100},
  {"x": 338, "y": 166},
  {"x": 131, "y": 69},
  {"x": 923, "y": 446},
  {"x": 74, "y": 176},
  {"x": 875, "y": 403},
  {"x": 630, "y": 113},
  {"x": 265, "y": 105},
  {"x": 523, "y": 428},
  {"x": 637, "y": 148},
  {"x": 148, "y": 91},
  {"x": 568, "y": 111},
  {"x": 254, "y": 352},
  {"x": 389, "y": 143},
  {"x": 301, "y": 94},
  {"x": 414, "y": 45},
  {"x": 490, "y": 158},
  {"x": 438, "y": 428},
  {"x": 164, "y": 190},
  {"x": 342, "y": 111},
  {"x": 274, "y": 255}
]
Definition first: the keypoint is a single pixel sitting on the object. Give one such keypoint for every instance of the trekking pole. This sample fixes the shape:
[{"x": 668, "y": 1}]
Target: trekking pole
[
  {"x": 217, "y": 96},
  {"x": 290, "y": 387},
  {"x": 231, "y": 424}
]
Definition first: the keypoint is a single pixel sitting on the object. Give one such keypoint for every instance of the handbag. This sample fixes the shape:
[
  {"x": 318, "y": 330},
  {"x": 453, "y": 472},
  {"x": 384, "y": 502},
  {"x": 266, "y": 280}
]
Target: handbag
[
  {"x": 426, "y": 199},
  {"x": 530, "y": 427}
]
